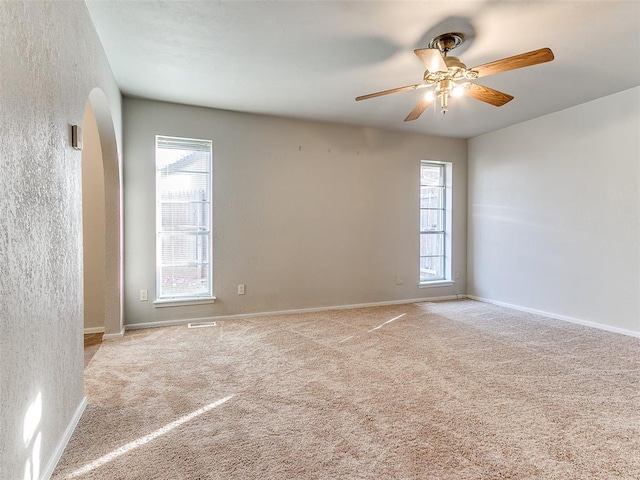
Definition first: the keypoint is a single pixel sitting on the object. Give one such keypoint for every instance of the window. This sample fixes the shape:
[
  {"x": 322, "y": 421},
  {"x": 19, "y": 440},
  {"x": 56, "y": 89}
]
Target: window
[
  {"x": 183, "y": 218},
  {"x": 435, "y": 218}
]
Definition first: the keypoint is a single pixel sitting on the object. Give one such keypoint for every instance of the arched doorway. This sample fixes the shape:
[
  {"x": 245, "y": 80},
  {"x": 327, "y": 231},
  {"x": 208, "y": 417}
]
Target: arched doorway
[{"x": 101, "y": 191}]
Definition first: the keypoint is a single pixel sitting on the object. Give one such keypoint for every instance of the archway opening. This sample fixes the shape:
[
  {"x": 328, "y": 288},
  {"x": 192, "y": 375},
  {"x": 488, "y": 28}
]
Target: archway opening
[
  {"x": 102, "y": 220},
  {"x": 93, "y": 227}
]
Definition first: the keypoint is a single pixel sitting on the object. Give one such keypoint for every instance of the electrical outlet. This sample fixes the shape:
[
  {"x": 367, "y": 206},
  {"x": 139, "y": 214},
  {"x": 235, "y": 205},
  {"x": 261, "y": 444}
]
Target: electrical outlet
[
  {"x": 143, "y": 295},
  {"x": 457, "y": 275},
  {"x": 240, "y": 289}
]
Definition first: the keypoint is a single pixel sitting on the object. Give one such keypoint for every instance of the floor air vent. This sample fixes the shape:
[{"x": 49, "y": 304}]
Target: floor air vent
[{"x": 201, "y": 324}]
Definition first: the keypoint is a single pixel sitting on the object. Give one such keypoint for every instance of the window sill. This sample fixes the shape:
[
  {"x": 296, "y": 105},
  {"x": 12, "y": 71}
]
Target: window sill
[
  {"x": 437, "y": 283},
  {"x": 173, "y": 302}
]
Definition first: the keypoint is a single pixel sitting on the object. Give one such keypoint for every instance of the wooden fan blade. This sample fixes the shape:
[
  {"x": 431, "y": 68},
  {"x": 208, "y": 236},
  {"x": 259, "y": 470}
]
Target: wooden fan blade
[
  {"x": 488, "y": 95},
  {"x": 518, "y": 61},
  {"x": 432, "y": 59},
  {"x": 418, "y": 109},
  {"x": 393, "y": 90}
]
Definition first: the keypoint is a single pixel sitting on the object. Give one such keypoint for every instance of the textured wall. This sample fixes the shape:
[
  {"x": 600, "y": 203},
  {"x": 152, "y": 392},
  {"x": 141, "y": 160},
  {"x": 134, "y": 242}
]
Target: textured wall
[
  {"x": 50, "y": 59},
  {"x": 554, "y": 213},
  {"x": 306, "y": 214}
]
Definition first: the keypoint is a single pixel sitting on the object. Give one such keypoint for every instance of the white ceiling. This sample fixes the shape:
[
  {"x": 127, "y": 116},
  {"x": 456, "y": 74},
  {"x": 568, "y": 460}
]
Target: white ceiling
[{"x": 310, "y": 60}]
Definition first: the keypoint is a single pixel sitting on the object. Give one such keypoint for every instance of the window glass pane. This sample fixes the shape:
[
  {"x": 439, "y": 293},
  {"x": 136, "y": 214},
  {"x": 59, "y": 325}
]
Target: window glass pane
[
  {"x": 194, "y": 186},
  {"x": 185, "y": 280},
  {"x": 166, "y": 144},
  {"x": 431, "y": 175},
  {"x": 431, "y": 197},
  {"x": 188, "y": 156},
  {"x": 431, "y": 220},
  {"x": 182, "y": 249},
  {"x": 184, "y": 216},
  {"x": 431, "y": 268},
  {"x": 431, "y": 244}
]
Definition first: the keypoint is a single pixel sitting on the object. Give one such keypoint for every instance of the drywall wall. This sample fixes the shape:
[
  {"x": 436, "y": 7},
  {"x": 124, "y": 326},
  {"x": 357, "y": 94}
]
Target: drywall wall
[
  {"x": 554, "y": 213},
  {"x": 93, "y": 224},
  {"x": 50, "y": 61},
  {"x": 305, "y": 214}
]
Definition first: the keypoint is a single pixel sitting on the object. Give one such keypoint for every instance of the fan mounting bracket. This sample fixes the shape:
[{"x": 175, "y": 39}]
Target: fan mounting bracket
[{"x": 447, "y": 42}]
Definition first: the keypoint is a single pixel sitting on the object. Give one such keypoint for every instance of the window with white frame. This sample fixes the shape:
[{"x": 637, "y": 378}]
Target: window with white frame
[
  {"x": 183, "y": 218},
  {"x": 435, "y": 219}
]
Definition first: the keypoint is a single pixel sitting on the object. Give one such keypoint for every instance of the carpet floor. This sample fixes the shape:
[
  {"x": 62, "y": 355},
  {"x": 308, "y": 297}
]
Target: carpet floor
[{"x": 448, "y": 390}]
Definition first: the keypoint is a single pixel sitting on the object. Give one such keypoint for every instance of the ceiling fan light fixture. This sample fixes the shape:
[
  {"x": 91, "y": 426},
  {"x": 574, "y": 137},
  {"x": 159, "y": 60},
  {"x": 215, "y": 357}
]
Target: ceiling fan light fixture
[
  {"x": 443, "y": 72},
  {"x": 444, "y": 102},
  {"x": 458, "y": 90}
]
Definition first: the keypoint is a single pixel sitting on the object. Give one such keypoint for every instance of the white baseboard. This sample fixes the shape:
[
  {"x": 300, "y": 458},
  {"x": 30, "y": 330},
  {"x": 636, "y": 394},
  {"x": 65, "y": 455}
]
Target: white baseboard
[
  {"x": 167, "y": 323},
  {"x": 57, "y": 454},
  {"x": 93, "y": 330},
  {"x": 113, "y": 336},
  {"x": 555, "y": 316}
]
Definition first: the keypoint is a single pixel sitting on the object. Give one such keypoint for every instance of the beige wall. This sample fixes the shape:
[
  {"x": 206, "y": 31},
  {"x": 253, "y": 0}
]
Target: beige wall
[
  {"x": 305, "y": 214},
  {"x": 93, "y": 224},
  {"x": 554, "y": 213},
  {"x": 50, "y": 60}
]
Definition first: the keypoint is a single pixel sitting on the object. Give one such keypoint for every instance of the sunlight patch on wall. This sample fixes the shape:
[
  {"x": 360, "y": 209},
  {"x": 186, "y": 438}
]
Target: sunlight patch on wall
[{"x": 32, "y": 438}]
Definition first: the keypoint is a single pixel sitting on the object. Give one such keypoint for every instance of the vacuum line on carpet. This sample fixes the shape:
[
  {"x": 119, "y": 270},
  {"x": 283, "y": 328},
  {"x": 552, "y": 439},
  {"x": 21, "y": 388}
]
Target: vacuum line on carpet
[{"x": 147, "y": 438}]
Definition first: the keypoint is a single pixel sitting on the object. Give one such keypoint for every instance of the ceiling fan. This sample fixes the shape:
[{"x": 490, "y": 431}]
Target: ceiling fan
[{"x": 446, "y": 76}]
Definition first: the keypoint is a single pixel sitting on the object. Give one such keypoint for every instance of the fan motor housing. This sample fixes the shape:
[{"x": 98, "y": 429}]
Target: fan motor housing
[{"x": 447, "y": 41}]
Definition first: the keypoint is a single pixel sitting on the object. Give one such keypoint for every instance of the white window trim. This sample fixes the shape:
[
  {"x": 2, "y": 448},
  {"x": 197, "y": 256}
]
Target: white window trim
[
  {"x": 448, "y": 225},
  {"x": 187, "y": 300},
  {"x": 436, "y": 283},
  {"x": 173, "y": 302}
]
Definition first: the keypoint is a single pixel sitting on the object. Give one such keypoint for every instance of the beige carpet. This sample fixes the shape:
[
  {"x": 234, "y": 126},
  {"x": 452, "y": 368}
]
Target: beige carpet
[{"x": 453, "y": 390}]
